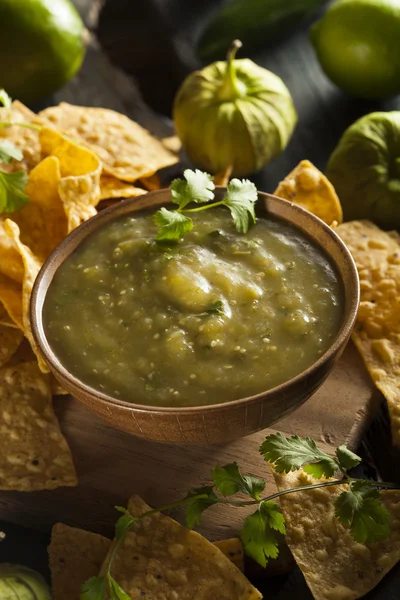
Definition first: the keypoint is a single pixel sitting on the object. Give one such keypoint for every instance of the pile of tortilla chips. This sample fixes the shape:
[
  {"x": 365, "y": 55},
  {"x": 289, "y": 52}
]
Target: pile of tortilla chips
[
  {"x": 377, "y": 257},
  {"x": 158, "y": 558},
  {"x": 74, "y": 158}
]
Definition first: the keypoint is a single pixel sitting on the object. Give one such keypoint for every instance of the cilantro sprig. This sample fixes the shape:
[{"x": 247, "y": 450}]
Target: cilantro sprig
[
  {"x": 198, "y": 188},
  {"x": 359, "y": 508},
  {"x": 12, "y": 185}
]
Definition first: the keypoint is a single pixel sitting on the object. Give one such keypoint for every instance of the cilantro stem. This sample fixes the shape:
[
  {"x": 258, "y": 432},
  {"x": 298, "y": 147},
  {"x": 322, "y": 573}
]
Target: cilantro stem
[
  {"x": 204, "y": 207},
  {"x": 27, "y": 125}
]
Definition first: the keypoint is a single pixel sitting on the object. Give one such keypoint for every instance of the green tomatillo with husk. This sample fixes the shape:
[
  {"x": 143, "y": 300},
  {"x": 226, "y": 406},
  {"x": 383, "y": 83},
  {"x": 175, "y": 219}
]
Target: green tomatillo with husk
[
  {"x": 233, "y": 115},
  {"x": 365, "y": 169}
]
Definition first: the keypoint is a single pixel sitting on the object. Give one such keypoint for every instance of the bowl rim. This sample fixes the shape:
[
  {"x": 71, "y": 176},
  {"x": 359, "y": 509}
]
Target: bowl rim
[{"x": 43, "y": 281}]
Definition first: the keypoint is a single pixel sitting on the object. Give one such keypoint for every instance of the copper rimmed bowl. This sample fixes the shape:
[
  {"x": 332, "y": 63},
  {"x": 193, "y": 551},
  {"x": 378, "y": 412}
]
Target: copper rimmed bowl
[{"x": 218, "y": 423}]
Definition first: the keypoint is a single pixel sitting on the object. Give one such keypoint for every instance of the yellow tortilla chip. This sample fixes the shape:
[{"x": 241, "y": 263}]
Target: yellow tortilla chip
[
  {"x": 10, "y": 339},
  {"x": 126, "y": 149},
  {"x": 151, "y": 183},
  {"x": 27, "y": 140},
  {"x": 42, "y": 221},
  {"x": 79, "y": 186},
  {"x": 377, "y": 330},
  {"x": 10, "y": 260},
  {"x": 160, "y": 554},
  {"x": 111, "y": 187},
  {"x": 56, "y": 388},
  {"x": 233, "y": 549},
  {"x": 309, "y": 188},
  {"x": 37, "y": 456},
  {"x": 75, "y": 555},
  {"x": 31, "y": 269},
  {"x": 335, "y": 566},
  {"x": 172, "y": 143},
  {"x": 11, "y": 299}
]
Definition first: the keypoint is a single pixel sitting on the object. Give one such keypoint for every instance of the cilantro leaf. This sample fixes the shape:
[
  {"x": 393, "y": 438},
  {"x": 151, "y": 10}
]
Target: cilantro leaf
[
  {"x": 228, "y": 480},
  {"x": 347, "y": 459},
  {"x": 172, "y": 225},
  {"x": 198, "y": 188},
  {"x": 361, "y": 510},
  {"x": 12, "y": 196},
  {"x": 275, "y": 518},
  {"x": 195, "y": 509},
  {"x": 292, "y": 453},
  {"x": 240, "y": 198},
  {"x": 5, "y": 99},
  {"x": 9, "y": 151},
  {"x": 117, "y": 593},
  {"x": 258, "y": 537},
  {"x": 93, "y": 589}
]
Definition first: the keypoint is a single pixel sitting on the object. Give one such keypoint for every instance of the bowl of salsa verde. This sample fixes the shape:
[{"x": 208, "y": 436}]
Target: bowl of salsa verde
[{"x": 199, "y": 340}]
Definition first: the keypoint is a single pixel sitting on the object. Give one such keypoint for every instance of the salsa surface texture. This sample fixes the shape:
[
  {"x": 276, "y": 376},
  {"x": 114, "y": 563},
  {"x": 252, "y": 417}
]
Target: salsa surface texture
[{"x": 216, "y": 317}]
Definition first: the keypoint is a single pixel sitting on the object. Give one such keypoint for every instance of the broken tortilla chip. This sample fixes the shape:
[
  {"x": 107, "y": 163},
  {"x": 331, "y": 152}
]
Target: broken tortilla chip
[
  {"x": 24, "y": 138},
  {"x": 309, "y": 188},
  {"x": 160, "y": 552},
  {"x": 335, "y": 566},
  {"x": 111, "y": 187},
  {"x": 377, "y": 330},
  {"x": 31, "y": 269},
  {"x": 75, "y": 555},
  {"x": 127, "y": 150},
  {"x": 37, "y": 455}
]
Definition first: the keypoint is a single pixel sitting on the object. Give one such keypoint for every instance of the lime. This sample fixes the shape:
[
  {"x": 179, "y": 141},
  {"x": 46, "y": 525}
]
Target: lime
[
  {"x": 358, "y": 45},
  {"x": 41, "y": 46}
]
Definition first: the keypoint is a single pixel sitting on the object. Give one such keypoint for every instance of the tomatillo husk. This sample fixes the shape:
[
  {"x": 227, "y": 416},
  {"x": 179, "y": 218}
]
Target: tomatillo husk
[{"x": 233, "y": 114}]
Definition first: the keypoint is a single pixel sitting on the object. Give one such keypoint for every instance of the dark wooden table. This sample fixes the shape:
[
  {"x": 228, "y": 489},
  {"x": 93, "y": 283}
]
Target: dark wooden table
[{"x": 324, "y": 113}]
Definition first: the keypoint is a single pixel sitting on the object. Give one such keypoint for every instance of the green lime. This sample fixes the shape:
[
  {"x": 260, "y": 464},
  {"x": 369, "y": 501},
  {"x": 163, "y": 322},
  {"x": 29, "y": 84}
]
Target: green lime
[
  {"x": 41, "y": 46},
  {"x": 358, "y": 45}
]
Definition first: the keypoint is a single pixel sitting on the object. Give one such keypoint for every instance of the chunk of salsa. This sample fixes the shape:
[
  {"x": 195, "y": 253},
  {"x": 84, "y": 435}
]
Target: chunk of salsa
[{"x": 216, "y": 317}]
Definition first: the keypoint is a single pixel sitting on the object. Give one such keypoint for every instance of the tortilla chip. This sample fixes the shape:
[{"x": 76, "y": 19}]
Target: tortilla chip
[
  {"x": 10, "y": 260},
  {"x": 151, "y": 183},
  {"x": 111, "y": 187},
  {"x": 75, "y": 555},
  {"x": 27, "y": 140},
  {"x": 172, "y": 143},
  {"x": 10, "y": 340},
  {"x": 309, "y": 188},
  {"x": 335, "y": 566},
  {"x": 233, "y": 549},
  {"x": 160, "y": 554},
  {"x": 127, "y": 150},
  {"x": 56, "y": 388},
  {"x": 377, "y": 330},
  {"x": 42, "y": 221},
  {"x": 37, "y": 456},
  {"x": 79, "y": 186},
  {"x": 11, "y": 299},
  {"x": 31, "y": 269}
]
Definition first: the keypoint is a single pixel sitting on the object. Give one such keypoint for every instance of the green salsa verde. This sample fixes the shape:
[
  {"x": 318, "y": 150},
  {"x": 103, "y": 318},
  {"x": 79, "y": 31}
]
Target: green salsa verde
[{"x": 216, "y": 317}]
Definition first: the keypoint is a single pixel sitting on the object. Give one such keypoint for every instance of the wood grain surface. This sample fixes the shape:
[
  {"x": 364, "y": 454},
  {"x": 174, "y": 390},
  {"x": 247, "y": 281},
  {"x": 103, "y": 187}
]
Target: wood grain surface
[{"x": 113, "y": 465}]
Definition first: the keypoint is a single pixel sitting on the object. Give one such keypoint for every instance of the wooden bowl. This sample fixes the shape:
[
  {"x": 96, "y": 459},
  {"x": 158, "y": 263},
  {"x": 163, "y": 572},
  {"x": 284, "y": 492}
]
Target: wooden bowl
[{"x": 218, "y": 423}]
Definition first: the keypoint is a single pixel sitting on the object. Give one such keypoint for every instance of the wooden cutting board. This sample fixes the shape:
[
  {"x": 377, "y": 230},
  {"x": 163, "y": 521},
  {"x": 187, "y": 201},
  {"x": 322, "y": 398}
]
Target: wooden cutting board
[{"x": 112, "y": 465}]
